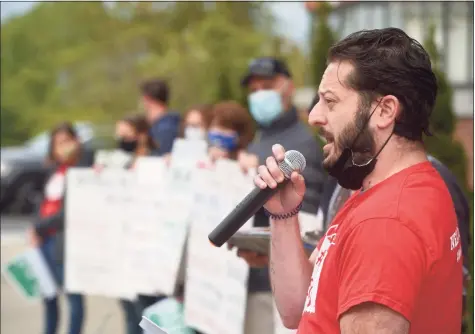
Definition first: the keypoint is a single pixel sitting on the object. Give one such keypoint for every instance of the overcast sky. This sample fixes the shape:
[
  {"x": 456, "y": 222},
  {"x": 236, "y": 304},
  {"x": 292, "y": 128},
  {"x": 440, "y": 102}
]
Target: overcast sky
[{"x": 292, "y": 18}]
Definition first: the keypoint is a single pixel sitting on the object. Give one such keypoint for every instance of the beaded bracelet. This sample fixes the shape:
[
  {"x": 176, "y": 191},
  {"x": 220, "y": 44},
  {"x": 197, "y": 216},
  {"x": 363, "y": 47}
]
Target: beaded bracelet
[{"x": 287, "y": 215}]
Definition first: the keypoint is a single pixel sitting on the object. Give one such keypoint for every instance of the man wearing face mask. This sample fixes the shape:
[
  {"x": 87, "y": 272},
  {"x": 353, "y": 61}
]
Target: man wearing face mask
[
  {"x": 391, "y": 261},
  {"x": 270, "y": 89}
]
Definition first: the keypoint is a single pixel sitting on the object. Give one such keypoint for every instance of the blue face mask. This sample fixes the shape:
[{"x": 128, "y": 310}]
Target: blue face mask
[
  {"x": 226, "y": 142},
  {"x": 265, "y": 106}
]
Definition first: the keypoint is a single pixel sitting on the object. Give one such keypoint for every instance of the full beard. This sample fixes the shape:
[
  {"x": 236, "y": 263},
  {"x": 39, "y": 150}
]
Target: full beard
[{"x": 355, "y": 135}]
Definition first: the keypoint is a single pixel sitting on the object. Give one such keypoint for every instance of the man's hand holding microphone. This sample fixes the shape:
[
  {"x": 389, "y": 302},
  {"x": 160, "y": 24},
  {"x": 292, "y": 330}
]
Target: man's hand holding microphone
[{"x": 283, "y": 201}]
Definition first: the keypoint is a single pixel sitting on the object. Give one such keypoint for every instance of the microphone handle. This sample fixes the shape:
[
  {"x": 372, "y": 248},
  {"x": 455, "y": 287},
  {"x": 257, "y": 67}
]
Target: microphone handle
[{"x": 242, "y": 213}]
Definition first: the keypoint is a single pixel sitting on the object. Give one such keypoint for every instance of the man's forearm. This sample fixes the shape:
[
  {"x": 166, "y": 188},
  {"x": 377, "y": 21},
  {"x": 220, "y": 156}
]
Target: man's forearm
[{"x": 290, "y": 270}]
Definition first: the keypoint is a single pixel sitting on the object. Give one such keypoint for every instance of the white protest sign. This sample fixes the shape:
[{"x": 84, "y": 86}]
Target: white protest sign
[
  {"x": 30, "y": 275},
  {"x": 151, "y": 170},
  {"x": 96, "y": 232},
  {"x": 310, "y": 222},
  {"x": 176, "y": 212},
  {"x": 216, "y": 280},
  {"x": 112, "y": 159}
]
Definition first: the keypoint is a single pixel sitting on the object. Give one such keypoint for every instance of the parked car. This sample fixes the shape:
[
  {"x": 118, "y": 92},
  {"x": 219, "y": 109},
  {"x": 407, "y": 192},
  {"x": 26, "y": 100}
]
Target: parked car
[{"x": 23, "y": 170}]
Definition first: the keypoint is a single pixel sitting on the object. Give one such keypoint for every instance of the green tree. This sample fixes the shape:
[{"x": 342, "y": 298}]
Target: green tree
[
  {"x": 445, "y": 148},
  {"x": 322, "y": 39},
  {"x": 442, "y": 145},
  {"x": 82, "y": 60}
]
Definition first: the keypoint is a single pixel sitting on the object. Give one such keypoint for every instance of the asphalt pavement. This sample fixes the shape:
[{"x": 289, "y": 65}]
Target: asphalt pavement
[{"x": 20, "y": 316}]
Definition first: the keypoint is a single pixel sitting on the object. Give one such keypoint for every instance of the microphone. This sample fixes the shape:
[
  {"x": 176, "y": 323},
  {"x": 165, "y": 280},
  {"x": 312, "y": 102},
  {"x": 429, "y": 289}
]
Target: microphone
[{"x": 293, "y": 161}]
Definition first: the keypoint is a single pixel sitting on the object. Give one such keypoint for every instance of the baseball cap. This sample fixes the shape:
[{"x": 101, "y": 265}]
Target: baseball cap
[{"x": 265, "y": 67}]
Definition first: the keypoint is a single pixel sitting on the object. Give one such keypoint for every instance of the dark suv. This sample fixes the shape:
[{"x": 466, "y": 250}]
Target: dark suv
[{"x": 23, "y": 170}]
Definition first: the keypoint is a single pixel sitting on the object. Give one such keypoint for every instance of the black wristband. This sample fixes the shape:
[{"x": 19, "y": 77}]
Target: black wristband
[{"x": 287, "y": 215}]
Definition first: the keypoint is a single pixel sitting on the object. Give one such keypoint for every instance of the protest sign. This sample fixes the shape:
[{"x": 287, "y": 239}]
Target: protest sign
[
  {"x": 30, "y": 275},
  {"x": 96, "y": 232},
  {"x": 176, "y": 213},
  {"x": 112, "y": 158},
  {"x": 216, "y": 279}
]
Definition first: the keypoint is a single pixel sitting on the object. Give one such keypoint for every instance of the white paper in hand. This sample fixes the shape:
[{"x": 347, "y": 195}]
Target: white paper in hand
[{"x": 150, "y": 327}]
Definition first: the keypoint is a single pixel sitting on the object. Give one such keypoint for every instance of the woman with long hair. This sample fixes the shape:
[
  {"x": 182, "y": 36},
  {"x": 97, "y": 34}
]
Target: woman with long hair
[{"x": 65, "y": 151}]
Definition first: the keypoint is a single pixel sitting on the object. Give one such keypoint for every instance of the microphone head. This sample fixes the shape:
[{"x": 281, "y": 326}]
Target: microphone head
[{"x": 293, "y": 161}]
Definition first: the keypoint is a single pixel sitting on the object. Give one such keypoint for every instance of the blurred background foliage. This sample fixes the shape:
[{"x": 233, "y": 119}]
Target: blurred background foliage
[{"x": 83, "y": 60}]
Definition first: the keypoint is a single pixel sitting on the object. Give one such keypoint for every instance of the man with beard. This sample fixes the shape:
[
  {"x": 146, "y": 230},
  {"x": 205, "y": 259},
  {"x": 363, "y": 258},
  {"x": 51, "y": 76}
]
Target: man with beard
[{"x": 391, "y": 260}]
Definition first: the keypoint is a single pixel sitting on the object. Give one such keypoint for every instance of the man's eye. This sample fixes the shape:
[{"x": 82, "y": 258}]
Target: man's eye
[{"x": 329, "y": 102}]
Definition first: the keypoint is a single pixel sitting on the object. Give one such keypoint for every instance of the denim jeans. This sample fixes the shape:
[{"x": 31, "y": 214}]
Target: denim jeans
[
  {"x": 75, "y": 301},
  {"x": 132, "y": 316}
]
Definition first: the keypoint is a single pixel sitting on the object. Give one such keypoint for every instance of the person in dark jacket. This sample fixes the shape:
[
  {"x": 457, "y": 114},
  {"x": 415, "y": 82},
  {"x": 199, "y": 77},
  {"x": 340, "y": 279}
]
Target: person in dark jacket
[
  {"x": 164, "y": 124},
  {"x": 133, "y": 137},
  {"x": 48, "y": 231},
  {"x": 270, "y": 88}
]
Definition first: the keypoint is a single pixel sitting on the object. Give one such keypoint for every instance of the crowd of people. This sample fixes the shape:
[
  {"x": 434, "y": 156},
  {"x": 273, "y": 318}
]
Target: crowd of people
[{"x": 374, "y": 101}]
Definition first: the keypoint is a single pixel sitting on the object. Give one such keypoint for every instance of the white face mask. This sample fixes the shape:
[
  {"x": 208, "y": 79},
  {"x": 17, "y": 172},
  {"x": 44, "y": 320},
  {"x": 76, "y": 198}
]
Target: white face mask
[{"x": 194, "y": 133}]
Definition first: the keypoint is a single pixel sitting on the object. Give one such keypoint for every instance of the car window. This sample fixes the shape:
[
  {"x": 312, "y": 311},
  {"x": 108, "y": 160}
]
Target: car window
[{"x": 40, "y": 143}]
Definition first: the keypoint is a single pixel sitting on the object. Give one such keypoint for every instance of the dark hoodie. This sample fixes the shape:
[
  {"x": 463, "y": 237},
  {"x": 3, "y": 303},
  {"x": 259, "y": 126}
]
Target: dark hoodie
[
  {"x": 288, "y": 131},
  {"x": 164, "y": 131}
]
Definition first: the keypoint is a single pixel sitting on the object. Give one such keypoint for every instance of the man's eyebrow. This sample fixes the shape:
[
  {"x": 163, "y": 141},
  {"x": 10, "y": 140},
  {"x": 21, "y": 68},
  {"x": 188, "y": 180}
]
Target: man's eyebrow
[{"x": 327, "y": 91}]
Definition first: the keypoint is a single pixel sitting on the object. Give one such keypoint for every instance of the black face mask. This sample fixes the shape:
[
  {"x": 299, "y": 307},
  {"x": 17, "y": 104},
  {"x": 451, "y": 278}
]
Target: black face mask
[
  {"x": 127, "y": 145},
  {"x": 348, "y": 174}
]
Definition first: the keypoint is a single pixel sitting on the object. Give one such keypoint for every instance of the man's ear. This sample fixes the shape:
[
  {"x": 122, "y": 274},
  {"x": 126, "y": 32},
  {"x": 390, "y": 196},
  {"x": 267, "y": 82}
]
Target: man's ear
[{"x": 389, "y": 110}]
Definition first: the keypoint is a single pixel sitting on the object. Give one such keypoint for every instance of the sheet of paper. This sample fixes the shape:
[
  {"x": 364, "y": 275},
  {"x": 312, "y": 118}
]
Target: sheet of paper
[
  {"x": 167, "y": 316},
  {"x": 216, "y": 280},
  {"x": 176, "y": 212},
  {"x": 310, "y": 222},
  {"x": 150, "y": 170},
  {"x": 95, "y": 232},
  {"x": 112, "y": 158},
  {"x": 30, "y": 275}
]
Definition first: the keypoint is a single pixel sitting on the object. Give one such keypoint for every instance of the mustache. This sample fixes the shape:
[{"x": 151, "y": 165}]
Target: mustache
[{"x": 325, "y": 134}]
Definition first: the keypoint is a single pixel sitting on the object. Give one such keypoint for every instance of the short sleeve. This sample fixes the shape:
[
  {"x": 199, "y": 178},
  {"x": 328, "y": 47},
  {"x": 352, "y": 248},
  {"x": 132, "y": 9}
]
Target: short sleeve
[{"x": 381, "y": 261}]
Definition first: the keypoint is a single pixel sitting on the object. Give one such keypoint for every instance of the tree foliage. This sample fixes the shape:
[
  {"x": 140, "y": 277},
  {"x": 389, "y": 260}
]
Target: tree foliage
[
  {"x": 442, "y": 144},
  {"x": 322, "y": 39},
  {"x": 83, "y": 60}
]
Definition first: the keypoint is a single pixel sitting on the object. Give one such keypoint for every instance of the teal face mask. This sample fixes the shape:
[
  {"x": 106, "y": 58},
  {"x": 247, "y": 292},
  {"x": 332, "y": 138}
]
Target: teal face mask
[{"x": 265, "y": 106}]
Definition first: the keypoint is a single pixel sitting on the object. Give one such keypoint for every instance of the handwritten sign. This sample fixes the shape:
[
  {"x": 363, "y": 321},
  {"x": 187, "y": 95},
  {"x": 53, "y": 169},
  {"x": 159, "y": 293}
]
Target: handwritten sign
[
  {"x": 216, "y": 279},
  {"x": 176, "y": 213},
  {"x": 112, "y": 159},
  {"x": 95, "y": 232}
]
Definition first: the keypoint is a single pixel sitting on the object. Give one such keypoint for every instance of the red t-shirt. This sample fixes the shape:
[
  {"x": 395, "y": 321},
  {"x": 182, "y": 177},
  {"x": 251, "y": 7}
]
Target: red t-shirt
[{"x": 396, "y": 244}]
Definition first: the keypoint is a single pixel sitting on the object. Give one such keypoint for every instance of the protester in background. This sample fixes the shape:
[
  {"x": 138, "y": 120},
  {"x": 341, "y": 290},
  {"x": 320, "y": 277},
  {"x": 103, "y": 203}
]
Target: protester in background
[
  {"x": 271, "y": 88},
  {"x": 133, "y": 136},
  {"x": 230, "y": 131},
  {"x": 48, "y": 231},
  {"x": 164, "y": 124},
  {"x": 196, "y": 122},
  {"x": 394, "y": 246}
]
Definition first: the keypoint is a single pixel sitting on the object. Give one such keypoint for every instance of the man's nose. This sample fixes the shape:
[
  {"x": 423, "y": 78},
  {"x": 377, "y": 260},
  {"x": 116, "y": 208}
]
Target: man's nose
[{"x": 317, "y": 117}]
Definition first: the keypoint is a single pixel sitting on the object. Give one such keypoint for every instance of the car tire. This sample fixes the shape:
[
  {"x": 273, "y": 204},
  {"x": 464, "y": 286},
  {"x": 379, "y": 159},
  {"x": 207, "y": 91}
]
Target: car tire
[{"x": 27, "y": 195}]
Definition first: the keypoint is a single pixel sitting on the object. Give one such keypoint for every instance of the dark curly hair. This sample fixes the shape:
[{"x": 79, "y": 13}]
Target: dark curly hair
[{"x": 389, "y": 62}]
